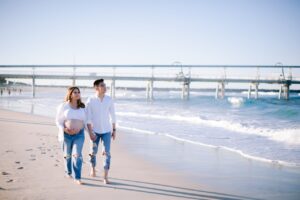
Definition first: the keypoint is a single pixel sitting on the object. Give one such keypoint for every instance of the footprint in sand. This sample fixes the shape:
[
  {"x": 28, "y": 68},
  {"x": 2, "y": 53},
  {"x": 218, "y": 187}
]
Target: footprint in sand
[
  {"x": 10, "y": 180},
  {"x": 43, "y": 152},
  {"x": 57, "y": 160},
  {"x": 52, "y": 156},
  {"x": 28, "y": 149},
  {"x": 20, "y": 168},
  {"x": 5, "y": 173},
  {"x": 1, "y": 188},
  {"x": 32, "y": 157},
  {"x": 56, "y": 165},
  {"x": 9, "y": 151},
  {"x": 17, "y": 162}
]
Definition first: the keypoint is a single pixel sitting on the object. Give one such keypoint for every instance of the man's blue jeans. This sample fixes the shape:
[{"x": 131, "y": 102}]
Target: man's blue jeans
[
  {"x": 72, "y": 145},
  {"x": 105, "y": 139}
]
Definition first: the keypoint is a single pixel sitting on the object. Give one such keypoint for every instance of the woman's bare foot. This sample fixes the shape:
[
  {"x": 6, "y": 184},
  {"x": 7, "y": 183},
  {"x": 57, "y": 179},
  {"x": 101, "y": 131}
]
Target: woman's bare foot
[
  {"x": 77, "y": 181},
  {"x": 68, "y": 175},
  {"x": 93, "y": 172}
]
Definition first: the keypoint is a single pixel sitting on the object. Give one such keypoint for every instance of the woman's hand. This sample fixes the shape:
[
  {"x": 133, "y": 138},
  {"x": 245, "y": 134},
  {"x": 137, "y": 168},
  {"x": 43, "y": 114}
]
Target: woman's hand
[
  {"x": 71, "y": 131},
  {"x": 75, "y": 130}
]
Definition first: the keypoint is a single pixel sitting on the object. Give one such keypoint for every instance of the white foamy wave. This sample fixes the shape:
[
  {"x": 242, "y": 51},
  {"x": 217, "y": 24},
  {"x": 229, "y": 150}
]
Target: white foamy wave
[
  {"x": 236, "y": 100},
  {"x": 289, "y": 136},
  {"x": 241, "y": 153},
  {"x": 173, "y": 91},
  {"x": 137, "y": 130},
  {"x": 262, "y": 93},
  {"x": 121, "y": 94}
]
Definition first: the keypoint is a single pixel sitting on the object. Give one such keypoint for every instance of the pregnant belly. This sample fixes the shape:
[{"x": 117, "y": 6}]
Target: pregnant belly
[{"x": 74, "y": 124}]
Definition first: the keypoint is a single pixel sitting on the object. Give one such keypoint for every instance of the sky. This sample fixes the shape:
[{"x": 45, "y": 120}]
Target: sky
[{"x": 246, "y": 32}]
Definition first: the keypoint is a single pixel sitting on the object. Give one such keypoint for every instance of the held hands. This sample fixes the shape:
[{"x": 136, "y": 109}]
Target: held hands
[{"x": 92, "y": 136}]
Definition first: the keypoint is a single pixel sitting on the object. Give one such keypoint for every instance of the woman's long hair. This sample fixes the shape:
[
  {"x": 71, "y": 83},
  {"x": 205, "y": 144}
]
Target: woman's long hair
[{"x": 68, "y": 97}]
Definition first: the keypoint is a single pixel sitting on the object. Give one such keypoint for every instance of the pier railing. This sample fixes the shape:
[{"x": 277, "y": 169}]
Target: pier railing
[{"x": 186, "y": 74}]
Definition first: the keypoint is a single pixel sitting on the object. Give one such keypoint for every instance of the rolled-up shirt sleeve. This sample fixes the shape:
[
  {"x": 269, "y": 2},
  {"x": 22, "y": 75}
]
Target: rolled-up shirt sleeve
[
  {"x": 88, "y": 111},
  {"x": 112, "y": 112}
]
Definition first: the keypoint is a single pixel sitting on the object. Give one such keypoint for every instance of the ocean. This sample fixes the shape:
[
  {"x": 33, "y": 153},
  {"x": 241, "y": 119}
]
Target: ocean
[{"x": 266, "y": 129}]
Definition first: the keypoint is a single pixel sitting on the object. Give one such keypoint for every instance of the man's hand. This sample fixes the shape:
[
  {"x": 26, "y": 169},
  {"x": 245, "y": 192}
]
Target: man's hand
[{"x": 114, "y": 135}]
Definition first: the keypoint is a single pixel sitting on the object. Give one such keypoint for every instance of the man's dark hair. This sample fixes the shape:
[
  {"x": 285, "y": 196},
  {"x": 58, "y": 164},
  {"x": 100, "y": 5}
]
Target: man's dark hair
[{"x": 97, "y": 82}]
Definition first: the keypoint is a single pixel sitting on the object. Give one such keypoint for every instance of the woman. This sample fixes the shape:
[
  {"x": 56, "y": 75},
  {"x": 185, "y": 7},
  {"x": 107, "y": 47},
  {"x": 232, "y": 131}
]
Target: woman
[{"x": 70, "y": 119}]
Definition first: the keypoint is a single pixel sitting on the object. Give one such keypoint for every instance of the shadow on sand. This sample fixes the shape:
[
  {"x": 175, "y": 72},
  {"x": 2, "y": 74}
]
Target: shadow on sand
[{"x": 163, "y": 190}]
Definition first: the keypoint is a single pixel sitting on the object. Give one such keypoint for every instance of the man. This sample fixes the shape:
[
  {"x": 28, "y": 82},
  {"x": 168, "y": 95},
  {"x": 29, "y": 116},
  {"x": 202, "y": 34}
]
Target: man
[{"x": 101, "y": 125}]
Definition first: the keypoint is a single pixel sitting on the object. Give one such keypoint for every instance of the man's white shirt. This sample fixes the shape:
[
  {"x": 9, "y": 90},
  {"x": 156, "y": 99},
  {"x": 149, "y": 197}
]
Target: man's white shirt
[{"x": 101, "y": 114}]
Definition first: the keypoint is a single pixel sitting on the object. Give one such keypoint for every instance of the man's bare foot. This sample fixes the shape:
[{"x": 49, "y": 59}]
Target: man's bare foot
[
  {"x": 93, "y": 172},
  {"x": 78, "y": 182},
  {"x": 105, "y": 175},
  {"x": 105, "y": 181}
]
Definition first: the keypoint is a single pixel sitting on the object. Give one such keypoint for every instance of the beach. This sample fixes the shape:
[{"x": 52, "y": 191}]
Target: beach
[
  {"x": 32, "y": 168},
  {"x": 146, "y": 162}
]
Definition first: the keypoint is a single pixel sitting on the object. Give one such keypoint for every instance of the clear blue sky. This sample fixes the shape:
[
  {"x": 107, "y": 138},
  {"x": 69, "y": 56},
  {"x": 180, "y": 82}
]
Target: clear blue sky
[{"x": 150, "y": 32}]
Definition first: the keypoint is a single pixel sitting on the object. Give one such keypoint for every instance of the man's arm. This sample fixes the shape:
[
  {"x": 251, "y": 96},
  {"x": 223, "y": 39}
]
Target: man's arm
[{"x": 113, "y": 119}]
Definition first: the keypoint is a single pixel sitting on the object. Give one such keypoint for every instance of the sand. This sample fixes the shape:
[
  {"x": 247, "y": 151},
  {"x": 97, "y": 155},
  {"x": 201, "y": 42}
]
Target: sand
[{"x": 31, "y": 165}]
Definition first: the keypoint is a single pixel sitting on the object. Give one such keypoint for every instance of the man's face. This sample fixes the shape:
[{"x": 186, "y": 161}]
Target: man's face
[{"x": 101, "y": 88}]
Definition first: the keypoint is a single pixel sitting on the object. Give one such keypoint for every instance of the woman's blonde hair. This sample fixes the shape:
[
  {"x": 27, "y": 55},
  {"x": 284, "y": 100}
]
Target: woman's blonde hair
[{"x": 68, "y": 97}]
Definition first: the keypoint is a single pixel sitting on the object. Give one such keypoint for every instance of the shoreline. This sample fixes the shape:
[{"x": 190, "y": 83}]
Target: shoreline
[
  {"x": 275, "y": 163},
  {"x": 219, "y": 169}
]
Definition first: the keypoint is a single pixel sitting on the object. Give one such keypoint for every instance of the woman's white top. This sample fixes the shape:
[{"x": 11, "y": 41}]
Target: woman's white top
[{"x": 66, "y": 112}]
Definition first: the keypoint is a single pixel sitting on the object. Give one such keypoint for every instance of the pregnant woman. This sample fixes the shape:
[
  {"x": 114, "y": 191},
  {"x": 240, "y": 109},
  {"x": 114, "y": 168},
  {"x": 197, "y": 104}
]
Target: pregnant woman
[{"x": 70, "y": 119}]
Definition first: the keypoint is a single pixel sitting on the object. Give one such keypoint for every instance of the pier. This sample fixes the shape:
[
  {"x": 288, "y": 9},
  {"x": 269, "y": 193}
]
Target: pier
[{"x": 185, "y": 79}]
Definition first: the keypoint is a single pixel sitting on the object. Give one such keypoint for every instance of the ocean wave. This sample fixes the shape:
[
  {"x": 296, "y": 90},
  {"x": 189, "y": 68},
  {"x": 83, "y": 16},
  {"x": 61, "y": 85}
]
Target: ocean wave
[
  {"x": 260, "y": 93},
  {"x": 237, "y": 101},
  {"x": 289, "y": 136},
  {"x": 237, "y": 151}
]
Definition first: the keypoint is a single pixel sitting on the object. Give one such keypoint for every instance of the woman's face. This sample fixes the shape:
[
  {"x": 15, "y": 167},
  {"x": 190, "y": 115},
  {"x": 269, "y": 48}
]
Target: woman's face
[{"x": 75, "y": 94}]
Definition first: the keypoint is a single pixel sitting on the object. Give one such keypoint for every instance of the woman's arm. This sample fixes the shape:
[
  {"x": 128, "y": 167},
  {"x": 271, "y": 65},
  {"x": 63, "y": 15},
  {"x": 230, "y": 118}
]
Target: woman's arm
[{"x": 59, "y": 119}]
